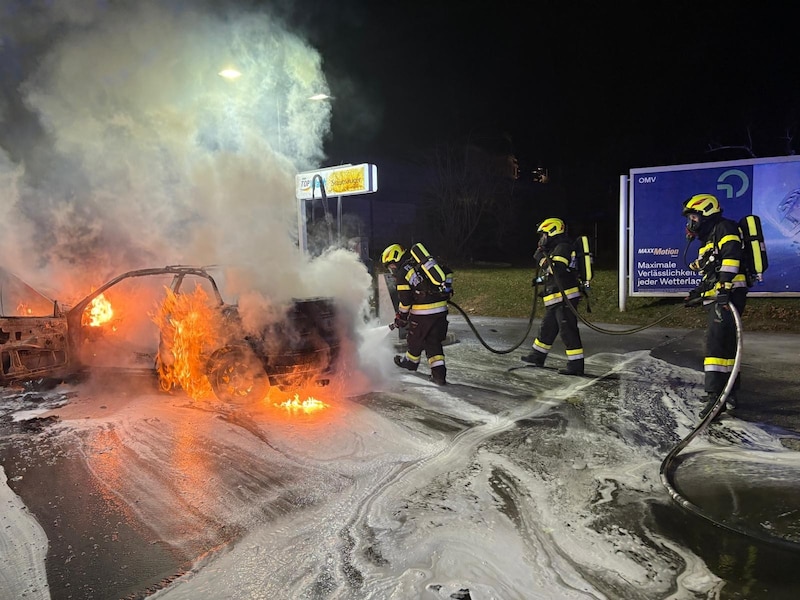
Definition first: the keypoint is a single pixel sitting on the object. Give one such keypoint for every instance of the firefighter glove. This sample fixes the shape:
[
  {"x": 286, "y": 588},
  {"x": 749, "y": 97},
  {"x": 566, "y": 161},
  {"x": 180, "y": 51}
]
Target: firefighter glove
[
  {"x": 693, "y": 299},
  {"x": 722, "y": 297},
  {"x": 400, "y": 320}
]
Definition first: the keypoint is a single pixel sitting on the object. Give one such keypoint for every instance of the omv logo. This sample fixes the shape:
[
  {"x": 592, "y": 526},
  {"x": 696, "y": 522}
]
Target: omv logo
[{"x": 734, "y": 183}]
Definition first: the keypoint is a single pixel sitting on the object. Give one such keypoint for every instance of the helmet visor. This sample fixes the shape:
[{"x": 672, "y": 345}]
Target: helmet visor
[
  {"x": 543, "y": 240},
  {"x": 693, "y": 221}
]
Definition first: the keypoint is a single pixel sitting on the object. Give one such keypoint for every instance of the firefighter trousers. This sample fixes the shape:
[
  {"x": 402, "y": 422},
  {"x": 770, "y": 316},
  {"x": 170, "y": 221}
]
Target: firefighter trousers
[
  {"x": 426, "y": 333},
  {"x": 720, "y": 350},
  {"x": 558, "y": 318}
]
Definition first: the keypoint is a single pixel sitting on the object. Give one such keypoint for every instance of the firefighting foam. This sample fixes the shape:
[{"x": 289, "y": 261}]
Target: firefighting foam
[{"x": 500, "y": 484}]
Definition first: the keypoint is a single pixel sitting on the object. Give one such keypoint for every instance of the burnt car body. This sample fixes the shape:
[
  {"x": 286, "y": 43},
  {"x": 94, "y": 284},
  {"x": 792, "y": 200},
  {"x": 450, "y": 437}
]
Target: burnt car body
[
  {"x": 301, "y": 348},
  {"x": 33, "y": 342}
]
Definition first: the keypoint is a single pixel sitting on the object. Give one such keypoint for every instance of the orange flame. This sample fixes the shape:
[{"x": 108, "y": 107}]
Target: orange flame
[
  {"x": 24, "y": 310},
  {"x": 98, "y": 312},
  {"x": 309, "y": 405},
  {"x": 189, "y": 327}
]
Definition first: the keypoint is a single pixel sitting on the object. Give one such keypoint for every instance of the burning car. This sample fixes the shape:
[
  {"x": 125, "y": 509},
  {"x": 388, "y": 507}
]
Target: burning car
[{"x": 191, "y": 338}]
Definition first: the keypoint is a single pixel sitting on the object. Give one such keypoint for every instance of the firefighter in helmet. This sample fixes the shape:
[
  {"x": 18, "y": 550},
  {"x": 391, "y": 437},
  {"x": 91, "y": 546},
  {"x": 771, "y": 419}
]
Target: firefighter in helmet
[
  {"x": 561, "y": 286},
  {"x": 422, "y": 307},
  {"x": 724, "y": 282}
]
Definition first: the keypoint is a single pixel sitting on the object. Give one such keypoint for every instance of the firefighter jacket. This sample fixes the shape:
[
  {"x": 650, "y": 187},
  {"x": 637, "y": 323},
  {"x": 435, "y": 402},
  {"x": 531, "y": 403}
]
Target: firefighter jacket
[
  {"x": 417, "y": 294},
  {"x": 720, "y": 259},
  {"x": 554, "y": 261}
]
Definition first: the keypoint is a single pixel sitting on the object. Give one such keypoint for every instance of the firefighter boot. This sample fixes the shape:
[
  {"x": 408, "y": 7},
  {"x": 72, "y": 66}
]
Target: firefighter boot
[
  {"x": 404, "y": 363},
  {"x": 711, "y": 399},
  {"x": 535, "y": 358},
  {"x": 574, "y": 367},
  {"x": 438, "y": 375}
]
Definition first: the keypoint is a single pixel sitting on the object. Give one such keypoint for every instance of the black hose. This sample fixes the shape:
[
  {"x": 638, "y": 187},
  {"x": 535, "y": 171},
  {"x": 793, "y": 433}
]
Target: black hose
[
  {"x": 533, "y": 314},
  {"x": 623, "y": 332},
  {"x": 481, "y": 340},
  {"x": 668, "y": 466},
  {"x": 594, "y": 327}
]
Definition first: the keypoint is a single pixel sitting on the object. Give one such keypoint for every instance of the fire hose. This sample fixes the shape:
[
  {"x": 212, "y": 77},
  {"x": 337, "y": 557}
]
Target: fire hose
[
  {"x": 483, "y": 342},
  {"x": 533, "y": 314},
  {"x": 668, "y": 465}
]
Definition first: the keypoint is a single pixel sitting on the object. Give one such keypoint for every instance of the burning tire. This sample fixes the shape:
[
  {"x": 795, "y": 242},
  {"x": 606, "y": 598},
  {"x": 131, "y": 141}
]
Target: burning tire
[{"x": 235, "y": 374}]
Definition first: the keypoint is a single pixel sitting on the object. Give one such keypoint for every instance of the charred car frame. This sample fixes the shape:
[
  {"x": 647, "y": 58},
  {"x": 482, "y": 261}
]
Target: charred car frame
[{"x": 301, "y": 348}]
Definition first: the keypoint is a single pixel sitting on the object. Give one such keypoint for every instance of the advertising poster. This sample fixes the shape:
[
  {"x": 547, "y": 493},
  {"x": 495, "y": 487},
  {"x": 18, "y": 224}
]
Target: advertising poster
[{"x": 659, "y": 253}]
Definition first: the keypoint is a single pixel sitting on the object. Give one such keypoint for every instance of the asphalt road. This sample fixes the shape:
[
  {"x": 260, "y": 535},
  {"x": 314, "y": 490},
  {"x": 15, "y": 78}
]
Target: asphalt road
[
  {"x": 770, "y": 368},
  {"x": 137, "y": 489}
]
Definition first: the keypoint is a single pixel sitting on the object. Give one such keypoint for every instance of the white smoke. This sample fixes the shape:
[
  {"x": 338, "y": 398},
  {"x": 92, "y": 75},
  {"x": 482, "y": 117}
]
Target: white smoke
[{"x": 123, "y": 148}]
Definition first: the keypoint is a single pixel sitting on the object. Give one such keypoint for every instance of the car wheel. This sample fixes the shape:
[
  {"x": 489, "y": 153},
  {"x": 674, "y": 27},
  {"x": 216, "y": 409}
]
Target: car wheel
[{"x": 235, "y": 374}]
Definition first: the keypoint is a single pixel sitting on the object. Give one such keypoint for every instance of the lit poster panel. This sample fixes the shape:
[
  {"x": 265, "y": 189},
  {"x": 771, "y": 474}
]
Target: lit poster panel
[
  {"x": 659, "y": 256},
  {"x": 338, "y": 181}
]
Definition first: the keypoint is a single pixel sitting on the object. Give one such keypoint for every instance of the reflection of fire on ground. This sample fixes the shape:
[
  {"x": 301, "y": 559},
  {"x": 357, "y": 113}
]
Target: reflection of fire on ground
[{"x": 190, "y": 328}]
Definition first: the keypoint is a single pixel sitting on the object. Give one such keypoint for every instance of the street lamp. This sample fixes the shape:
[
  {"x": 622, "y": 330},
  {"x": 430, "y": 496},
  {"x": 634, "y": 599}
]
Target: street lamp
[
  {"x": 232, "y": 74},
  {"x": 229, "y": 74}
]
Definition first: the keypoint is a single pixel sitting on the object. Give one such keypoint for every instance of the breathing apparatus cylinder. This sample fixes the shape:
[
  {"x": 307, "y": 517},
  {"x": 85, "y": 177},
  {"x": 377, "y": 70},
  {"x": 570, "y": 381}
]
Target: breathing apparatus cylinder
[
  {"x": 429, "y": 265},
  {"x": 755, "y": 250},
  {"x": 583, "y": 260}
]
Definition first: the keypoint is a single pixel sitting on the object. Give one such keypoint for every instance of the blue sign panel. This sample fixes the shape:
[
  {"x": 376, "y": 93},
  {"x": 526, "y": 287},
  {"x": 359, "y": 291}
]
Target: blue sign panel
[{"x": 659, "y": 252}]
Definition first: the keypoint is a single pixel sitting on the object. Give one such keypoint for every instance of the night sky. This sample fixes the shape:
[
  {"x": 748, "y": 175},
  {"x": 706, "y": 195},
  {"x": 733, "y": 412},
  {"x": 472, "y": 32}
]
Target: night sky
[{"x": 585, "y": 90}]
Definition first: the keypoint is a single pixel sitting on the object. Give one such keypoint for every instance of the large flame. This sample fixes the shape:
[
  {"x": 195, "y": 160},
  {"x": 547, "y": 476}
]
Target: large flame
[
  {"x": 189, "y": 329},
  {"x": 98, "y": 312}
]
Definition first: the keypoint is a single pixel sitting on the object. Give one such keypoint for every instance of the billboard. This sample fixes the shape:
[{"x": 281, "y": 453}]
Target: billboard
[
  {"x": 338, "y": 181},
  {"x": 657, "y": 251},
  {"x": 344, "y": 180}
]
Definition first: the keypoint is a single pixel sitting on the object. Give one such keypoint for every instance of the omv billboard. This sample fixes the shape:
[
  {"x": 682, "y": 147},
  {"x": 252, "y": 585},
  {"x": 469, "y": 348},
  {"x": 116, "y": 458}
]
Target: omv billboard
[{"x": 658, "y": 255}]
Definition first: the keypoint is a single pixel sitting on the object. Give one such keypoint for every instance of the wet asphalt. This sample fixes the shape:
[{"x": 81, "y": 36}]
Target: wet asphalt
[
  {"x": 769, "y": 395},
  {"x": 770, "y": 366}
]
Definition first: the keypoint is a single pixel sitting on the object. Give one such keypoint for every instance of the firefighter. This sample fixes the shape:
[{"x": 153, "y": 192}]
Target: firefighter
[
  {"x": 422, "y": 308},
  {"x": 561, "y": 285},
  {"x": 724, "y": 282}
]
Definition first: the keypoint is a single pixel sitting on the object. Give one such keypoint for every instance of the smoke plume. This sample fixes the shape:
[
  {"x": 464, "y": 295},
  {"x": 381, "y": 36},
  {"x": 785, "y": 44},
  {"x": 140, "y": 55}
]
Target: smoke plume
[{"x": 121, "y": 146}]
